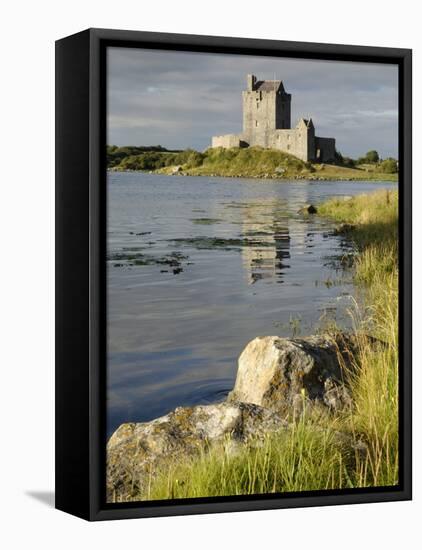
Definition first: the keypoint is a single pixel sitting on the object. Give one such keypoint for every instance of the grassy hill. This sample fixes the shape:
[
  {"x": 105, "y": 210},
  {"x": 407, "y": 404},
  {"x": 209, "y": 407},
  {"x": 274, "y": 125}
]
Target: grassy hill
[{"x": 252, "y": 162}]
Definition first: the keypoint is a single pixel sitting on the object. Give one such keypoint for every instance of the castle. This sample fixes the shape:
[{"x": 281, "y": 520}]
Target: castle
[{"x": 266, "y": 123}]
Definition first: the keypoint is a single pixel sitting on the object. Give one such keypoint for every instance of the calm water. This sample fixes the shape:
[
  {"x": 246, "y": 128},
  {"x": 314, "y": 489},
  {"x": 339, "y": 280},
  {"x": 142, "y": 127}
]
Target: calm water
[{"x": 197, "y": 267}]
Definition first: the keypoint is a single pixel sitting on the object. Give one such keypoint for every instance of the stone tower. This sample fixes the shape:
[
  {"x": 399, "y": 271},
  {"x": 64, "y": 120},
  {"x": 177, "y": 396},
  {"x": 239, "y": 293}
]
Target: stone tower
[{"x": 266, "y": 107}]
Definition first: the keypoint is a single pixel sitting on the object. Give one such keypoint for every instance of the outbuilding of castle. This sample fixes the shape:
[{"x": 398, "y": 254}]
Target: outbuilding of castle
[{"x": 267, "y": 123}]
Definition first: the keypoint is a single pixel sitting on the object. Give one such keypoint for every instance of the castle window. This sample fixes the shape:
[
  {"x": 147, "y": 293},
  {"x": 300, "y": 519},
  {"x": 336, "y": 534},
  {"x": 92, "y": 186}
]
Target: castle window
[
  {"x": 288, "y": 147},
  {"x": 256, "y": 123}
]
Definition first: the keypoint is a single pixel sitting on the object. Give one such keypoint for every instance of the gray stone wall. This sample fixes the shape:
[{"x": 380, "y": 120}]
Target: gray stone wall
[
  {"x": 294, "y": 142},
  {"x": 299, "y": 141},
  {"x": 227, "y": 141}
]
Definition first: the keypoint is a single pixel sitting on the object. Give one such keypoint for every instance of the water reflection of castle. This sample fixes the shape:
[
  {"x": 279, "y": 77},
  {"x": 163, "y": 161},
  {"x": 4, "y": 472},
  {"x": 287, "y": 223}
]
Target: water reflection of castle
[
  {"x": 273, "y": 234},
  {"x": 267, "y": 230}
]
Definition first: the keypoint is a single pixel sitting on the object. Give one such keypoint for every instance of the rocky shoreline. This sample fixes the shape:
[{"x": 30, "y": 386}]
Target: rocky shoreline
[
  {"x": 279, "y": 177},
  {"x": 276, "y": 378}
]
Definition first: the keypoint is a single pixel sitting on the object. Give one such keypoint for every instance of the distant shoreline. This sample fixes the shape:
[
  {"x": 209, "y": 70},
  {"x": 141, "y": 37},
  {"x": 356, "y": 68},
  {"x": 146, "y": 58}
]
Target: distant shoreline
[{"x": 389, "y": 178}]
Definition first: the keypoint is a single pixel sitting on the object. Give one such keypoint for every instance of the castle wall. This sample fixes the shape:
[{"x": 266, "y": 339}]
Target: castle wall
[
  {"x": 227, "y": 141},
  {"x": 300, "y": 142},
  {"x": 325, "y": 149},
  {"x": 283, "y": 111},
  {"x": 310, "y": 146},
  {"x": 290, "y": 141}
]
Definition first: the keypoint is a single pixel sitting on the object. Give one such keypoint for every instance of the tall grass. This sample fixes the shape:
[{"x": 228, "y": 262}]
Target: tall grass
[
  {"x": 375, "y": 385},
  {"x": 357, "y": 448},
  {"x": 302, "y": 458}
]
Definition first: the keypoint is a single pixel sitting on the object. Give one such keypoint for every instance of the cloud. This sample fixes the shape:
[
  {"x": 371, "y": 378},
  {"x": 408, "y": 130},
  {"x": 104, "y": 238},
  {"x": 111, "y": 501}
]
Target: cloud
[{"x": 181, "y": 99}]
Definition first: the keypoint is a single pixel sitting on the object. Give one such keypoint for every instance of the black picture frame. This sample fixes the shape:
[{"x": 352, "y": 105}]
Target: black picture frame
[{"x": 80, "y": 271}]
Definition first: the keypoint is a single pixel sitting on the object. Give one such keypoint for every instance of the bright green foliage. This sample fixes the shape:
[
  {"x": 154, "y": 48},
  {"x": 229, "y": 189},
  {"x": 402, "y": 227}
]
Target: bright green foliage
[{"x": 303, "y": 458}]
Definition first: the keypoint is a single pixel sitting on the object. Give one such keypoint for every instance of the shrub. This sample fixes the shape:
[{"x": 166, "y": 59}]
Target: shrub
[{"x": 388, "y": 166}]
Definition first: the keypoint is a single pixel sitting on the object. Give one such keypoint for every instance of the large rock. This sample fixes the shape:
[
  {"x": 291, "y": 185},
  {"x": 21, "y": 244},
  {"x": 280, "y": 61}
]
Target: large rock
[
  {"x": 282, "y": 374},
  {"x": 275, "y": 379},
  {"x": 136, "y": 451}
]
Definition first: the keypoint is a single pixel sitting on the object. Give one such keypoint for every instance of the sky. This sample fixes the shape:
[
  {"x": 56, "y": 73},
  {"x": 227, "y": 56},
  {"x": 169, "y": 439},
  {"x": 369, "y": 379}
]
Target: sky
[{"x": 181, "y": 99}]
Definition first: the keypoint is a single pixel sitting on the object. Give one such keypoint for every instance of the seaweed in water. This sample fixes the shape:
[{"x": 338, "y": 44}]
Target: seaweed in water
[
  {"x": 210, "y": 243},
  {"x": 205, "y": 221},
  {"x": 173, "y": 260}
]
